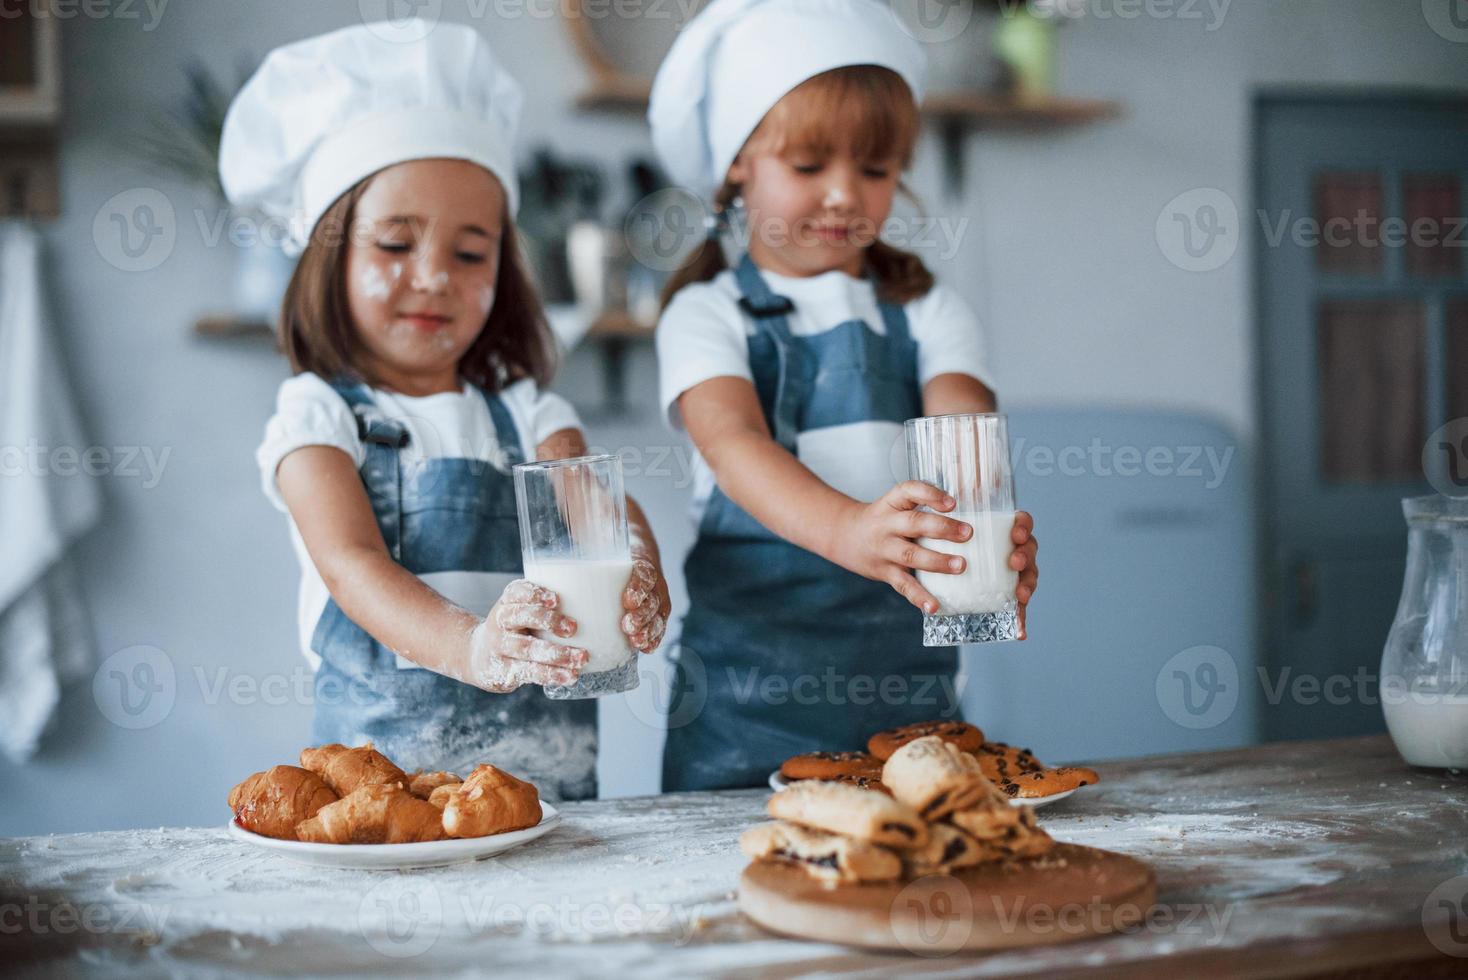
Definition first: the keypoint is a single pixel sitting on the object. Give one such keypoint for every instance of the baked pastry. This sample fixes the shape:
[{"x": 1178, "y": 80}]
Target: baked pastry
[
  {"x": 274, "y": 801},
  {"x": 374, "y": 814},
  {"x": 934, "y": 777},
  {"x": 440, "y": 795},
  {"x": 841, "y": 808},
  {"x": 960, "y": 733},
  {"x": 831, "y": 765},
  {"x": 947, "y": 849},
  {"x": 422, "y": 784},
  {"x": 491, "y": 801},
  {"x": 830, "y": 857},
  {"x": 346, "y": 770},
  {"x": 1003, "y": 830}
]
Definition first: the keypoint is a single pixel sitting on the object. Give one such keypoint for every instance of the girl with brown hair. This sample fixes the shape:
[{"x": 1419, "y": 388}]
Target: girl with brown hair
[{"x": 419, "y": 346}]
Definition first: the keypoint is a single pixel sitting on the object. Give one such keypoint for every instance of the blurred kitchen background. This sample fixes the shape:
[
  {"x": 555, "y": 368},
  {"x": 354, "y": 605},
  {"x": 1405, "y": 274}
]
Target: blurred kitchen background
[{"x": 1214, "y": 416}]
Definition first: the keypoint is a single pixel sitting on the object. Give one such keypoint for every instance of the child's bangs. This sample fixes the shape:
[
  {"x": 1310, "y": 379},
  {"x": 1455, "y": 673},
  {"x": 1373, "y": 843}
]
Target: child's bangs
[{"x": 864, "y": 109}]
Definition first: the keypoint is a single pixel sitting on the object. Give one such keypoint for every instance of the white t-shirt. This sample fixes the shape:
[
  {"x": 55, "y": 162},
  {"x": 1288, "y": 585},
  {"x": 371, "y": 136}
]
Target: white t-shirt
[
  {"x": 704, "y": 334},
  {"x": 309, "y": 412}
]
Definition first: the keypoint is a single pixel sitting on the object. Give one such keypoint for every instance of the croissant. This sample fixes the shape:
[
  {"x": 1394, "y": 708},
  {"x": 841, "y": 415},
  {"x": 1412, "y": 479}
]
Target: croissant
[
  {"x": 374, "y": 815},
  {"x": 440, "y": 795},
  {"x": 422, "y": 784},
  {"x": 346, "y": 770},
  {"x": 274, "y": 801},
  {"x": 491, "y": 801}
]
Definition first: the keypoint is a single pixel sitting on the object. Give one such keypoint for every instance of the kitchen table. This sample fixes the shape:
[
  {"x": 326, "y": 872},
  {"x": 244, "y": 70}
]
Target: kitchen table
[{"x": 1286, "y": 859}]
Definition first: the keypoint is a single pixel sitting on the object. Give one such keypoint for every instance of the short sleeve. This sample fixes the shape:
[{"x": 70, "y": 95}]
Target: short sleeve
[
  {"x": 701, "y": 335},
  {"x": 308, "y": 412},
  {"x": 540, "y": 414},
  {"x": 949, "y": 337}
]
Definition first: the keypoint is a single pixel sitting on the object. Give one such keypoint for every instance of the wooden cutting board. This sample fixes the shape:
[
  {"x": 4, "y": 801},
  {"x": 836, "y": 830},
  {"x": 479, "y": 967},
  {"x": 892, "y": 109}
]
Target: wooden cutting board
[{"x": 1071, "y": 893}]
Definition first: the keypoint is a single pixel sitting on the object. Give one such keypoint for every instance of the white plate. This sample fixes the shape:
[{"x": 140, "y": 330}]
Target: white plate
[
  {"x": 779, "y": 782},
  {"x": 428, "y": 854}
]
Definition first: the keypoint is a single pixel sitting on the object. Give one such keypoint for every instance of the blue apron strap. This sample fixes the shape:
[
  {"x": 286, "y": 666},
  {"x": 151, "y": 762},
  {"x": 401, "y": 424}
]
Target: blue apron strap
[
  {"x": 894, "y": 319},
  {"x": 505, "y": 430},
  {"x": 769, "y": 312},
  {"x": 382, "y": 472},
  {"x": 372, "y": 426}
]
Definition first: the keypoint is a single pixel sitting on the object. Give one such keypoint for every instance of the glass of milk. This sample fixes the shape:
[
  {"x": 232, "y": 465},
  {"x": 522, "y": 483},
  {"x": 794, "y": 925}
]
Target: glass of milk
[
  {"x": 573, "y": 538},
  {"x": 1424, "y": 664},
  {"x": 967, "y": 457}
]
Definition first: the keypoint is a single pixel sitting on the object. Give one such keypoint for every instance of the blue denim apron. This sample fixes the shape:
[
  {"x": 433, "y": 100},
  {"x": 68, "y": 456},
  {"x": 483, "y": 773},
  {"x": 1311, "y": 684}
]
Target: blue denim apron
[
  {"x": 444, "y": 515},
  {"x": 782, "y": 651}
]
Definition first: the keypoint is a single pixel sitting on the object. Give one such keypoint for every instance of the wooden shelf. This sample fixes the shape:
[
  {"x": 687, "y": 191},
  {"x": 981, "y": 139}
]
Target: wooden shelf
[
  {"x": 997, "y": 111},
  {"x": 226, "y": 325},
  {"x": 622, "y": 326},
  {"x": 619, "y": 94},
  {"x": 994, "y": 110}
]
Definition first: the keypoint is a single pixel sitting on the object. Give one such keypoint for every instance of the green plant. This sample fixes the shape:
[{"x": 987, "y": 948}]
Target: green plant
[{"x": 184, "y": 140}]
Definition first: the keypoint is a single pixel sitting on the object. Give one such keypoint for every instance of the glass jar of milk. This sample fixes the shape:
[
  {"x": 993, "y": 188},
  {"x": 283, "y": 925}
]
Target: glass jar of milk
[
  {"x": 1424, "y": 668},
  {"x": 967, "y": 457},
  {"x": 573, "y": 538}
]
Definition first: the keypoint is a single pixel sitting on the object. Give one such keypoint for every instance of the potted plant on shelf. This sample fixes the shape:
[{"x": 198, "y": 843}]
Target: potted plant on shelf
[{"x": 184, "y": 141}]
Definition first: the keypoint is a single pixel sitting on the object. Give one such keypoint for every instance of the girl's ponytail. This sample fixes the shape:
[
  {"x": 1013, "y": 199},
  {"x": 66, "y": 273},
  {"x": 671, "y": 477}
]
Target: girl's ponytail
[
  {"x": 707, "y": 260},
  {"x": 901, "y": 277}
]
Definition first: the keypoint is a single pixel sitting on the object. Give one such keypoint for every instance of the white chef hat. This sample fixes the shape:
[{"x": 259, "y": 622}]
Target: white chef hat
[
  {"x": 321, "y": 114},
  {"x": 737, "y": 58}
]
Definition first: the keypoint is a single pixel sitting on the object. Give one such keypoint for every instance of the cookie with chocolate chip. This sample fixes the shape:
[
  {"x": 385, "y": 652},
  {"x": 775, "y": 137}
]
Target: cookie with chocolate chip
[
  {"x": 831, "y": 765},
  {"x": 873, "y": 783},
  {"x": 959, "y": 733},
  {"x": 1019, "y": 774},
  {"x": 1048, "y": 782}
]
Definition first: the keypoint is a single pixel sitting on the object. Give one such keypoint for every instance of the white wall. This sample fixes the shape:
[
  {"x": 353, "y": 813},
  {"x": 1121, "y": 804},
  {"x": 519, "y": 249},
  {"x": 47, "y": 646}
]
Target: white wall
[{"x": 1060, "y": 259}]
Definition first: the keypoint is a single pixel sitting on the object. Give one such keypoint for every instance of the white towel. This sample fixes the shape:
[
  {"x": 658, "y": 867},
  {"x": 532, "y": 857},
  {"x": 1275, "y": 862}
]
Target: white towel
[{"x": 46, "y": 503}]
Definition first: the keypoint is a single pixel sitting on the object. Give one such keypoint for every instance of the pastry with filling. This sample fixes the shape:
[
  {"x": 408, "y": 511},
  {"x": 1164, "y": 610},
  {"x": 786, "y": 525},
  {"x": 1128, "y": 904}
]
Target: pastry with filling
[
  {"x": 1003, "y": 831},
  {"x": 830, "y": 857},
  {"x": 934, "y": 777},
  {"x": 947, "y": 849},
  {"x": 840, "y": 808}
]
